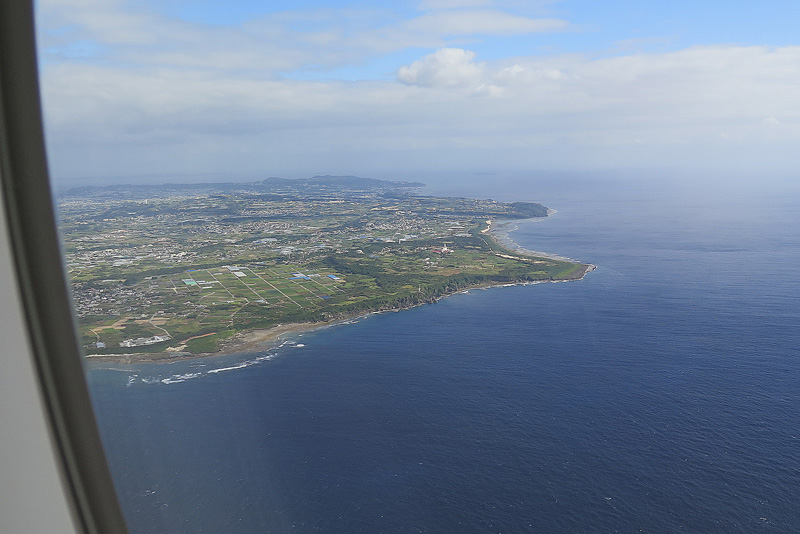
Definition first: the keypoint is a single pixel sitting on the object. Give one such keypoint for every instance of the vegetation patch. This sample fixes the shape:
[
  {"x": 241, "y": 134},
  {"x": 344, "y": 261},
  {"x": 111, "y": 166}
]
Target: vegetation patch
[{"x": 184, "y": 267}]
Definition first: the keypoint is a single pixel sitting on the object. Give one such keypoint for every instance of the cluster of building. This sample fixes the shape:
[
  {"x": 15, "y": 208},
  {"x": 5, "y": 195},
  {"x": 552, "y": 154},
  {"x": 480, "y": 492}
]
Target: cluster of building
[
  {"x": 210, "y": 230},
  {"x": 112, "y": 301},
  {"x": 142, "y": 341}
]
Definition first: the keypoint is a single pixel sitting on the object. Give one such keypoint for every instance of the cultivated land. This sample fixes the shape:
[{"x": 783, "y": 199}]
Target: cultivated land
[{"x": 177, "y": 270}]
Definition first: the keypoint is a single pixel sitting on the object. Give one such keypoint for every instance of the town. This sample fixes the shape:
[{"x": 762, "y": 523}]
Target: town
[{"x": 180, "y": 268}]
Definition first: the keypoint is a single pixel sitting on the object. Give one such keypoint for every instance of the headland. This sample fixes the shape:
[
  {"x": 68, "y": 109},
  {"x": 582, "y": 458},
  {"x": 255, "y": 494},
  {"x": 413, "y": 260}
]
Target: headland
[{"x": 175, "y": 272}]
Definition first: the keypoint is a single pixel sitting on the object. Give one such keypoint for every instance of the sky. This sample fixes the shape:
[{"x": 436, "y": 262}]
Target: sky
[{"x": 175, "y": 88}]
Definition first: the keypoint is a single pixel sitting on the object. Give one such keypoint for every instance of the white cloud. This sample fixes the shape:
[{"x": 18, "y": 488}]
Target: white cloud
[
  {"x": 447, "y": 67},
  {"x": 277, "y": 43},
  {"x": 481, "y": 22},
  {"x": 163, "y": 95},
  {"x": 426, "y": 5},
  {"x": 659, "y": 109}
]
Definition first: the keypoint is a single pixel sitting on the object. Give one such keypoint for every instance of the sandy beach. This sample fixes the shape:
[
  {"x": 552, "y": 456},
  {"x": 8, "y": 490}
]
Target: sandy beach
[{"x": 501, "y": 231}]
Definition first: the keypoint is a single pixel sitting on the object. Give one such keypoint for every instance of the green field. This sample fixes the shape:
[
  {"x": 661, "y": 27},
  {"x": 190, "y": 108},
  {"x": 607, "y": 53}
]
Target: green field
[{"x": 183, "y": 271}]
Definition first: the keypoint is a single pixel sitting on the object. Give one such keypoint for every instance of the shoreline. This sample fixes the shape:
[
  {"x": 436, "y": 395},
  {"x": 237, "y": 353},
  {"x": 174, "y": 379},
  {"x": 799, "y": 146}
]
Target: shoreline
[
  {"x": 502, "y": 229},
  {"x": 272, "y": 337},
  {"x": 241, "y": 343}
]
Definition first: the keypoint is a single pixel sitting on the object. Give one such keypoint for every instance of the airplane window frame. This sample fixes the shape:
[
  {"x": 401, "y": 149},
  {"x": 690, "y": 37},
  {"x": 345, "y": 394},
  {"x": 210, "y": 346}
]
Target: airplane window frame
[{"x": 41, "y": 279}]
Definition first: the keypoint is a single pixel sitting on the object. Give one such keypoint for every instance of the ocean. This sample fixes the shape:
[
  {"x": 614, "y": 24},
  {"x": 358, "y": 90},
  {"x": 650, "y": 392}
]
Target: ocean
[{"x": 659, "y": 394}]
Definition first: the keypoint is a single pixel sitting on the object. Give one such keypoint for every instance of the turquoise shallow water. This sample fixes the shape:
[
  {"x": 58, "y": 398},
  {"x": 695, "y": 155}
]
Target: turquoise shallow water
[{"x": 660, "y": 394}]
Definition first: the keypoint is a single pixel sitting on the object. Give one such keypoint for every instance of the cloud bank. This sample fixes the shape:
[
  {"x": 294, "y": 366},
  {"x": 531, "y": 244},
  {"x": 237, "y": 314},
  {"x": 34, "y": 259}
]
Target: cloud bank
[{"x": 145, "y": 93}]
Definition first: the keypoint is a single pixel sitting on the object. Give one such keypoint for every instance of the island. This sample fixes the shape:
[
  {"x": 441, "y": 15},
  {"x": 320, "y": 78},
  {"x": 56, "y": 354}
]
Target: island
[{"x": 185, "y": 270}]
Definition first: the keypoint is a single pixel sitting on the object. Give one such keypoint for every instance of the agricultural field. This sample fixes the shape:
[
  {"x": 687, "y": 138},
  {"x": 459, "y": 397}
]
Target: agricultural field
[{"x": 158, "y": 270}]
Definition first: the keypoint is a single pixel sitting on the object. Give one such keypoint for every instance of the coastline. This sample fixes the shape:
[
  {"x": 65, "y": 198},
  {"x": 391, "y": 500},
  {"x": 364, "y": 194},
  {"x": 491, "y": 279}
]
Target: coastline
[
  {"x": 270, "y": 338},
  {"x": 241, "y": 342},
  {"x": 502, "y": 229}
]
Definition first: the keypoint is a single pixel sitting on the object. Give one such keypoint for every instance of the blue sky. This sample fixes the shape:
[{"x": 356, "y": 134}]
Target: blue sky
[
  {"x": 601, "y": 24},
  {"x": 140, "y": 87}
]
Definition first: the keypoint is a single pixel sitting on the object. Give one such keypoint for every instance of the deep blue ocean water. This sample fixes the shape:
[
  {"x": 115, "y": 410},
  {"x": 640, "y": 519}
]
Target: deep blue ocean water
[{"x": 660, "y": 394}]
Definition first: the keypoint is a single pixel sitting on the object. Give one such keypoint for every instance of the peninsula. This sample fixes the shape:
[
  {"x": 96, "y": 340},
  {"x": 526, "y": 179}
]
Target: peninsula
[{"x": 180, "y": 270}]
